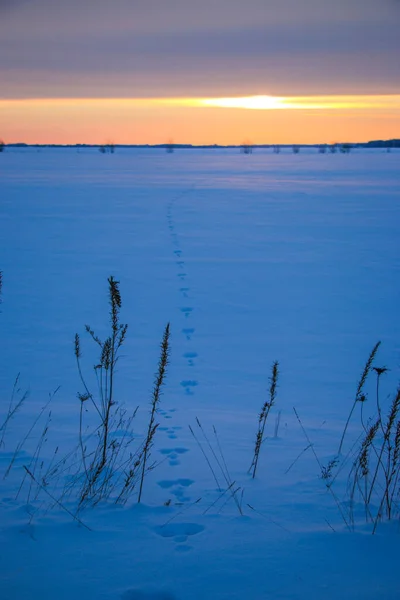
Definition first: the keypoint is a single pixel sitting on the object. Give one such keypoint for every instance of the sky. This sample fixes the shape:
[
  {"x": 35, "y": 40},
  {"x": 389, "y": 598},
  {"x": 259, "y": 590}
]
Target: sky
[{"x": 150, "y": 71}]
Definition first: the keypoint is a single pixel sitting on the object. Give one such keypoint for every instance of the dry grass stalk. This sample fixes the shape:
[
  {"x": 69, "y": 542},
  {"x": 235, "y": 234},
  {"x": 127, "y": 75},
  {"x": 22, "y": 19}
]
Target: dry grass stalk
[
  {"x": 16, "y": 401},
  {"x": 263, "y": 416},
  {"x": 359, "y": 397},
  {"x": 104, "y": 456},
  {"x": 155, "y": 400}
]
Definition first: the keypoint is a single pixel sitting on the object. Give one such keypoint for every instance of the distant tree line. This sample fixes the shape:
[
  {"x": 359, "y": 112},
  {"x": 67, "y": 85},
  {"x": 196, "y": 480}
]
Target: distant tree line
[
  {"x": 107, "y": 148},
  {"x": 246, "y": 148}
]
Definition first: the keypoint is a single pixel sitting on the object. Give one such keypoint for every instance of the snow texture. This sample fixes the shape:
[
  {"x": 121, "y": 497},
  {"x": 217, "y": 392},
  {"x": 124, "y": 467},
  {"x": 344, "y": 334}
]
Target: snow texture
[{"x": 252, "y": 259}]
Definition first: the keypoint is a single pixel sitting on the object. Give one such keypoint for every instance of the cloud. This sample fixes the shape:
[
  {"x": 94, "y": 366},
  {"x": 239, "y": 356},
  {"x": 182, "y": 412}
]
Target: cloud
[
  {"x": 11, "y": 5},
  {"x": 262, "y": 43}
]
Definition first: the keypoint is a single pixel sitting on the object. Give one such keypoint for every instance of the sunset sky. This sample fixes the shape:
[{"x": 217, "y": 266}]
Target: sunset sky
[{"x": 213, "y": 71}]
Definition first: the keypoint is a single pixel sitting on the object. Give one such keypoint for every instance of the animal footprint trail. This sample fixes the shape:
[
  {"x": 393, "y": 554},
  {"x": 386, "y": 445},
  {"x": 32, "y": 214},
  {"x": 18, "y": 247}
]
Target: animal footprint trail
[
  {"x": 188, "y": 385},
  {"x": 190, "y": 356},
  {"x": 180, "y": 533},
  {"x": 173, "y": 454},
  {"x": 167, "y": 483},
  {"x": 166, "y": 414},
  {"x": 177, "y": 450},
  {"x": 177, "y": 488},
  {"x": 185, "y": 292},
  {"x": 188, "y": 332}
]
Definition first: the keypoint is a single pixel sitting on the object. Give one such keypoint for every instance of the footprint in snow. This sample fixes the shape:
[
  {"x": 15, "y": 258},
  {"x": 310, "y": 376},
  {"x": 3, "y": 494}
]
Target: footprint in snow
[
  {"x": 174, "y": 450},
  {"x": 190, "y": 356},
  {"x": 171, "y": 456},
  {"x": 180, "y": 497},
  {"x": 183, "y": 530},
  {"x": 188, "y": 332},
  {"x": 170, "y": 430},
  {"x": 164, "y": 413},
  {"x": 168, "y": 483},
  {"x": 188, "y": 385}
]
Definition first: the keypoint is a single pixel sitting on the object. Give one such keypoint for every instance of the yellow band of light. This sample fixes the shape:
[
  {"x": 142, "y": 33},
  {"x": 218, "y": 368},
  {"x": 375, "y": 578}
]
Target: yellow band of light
[{"x": 391, "y": 102}]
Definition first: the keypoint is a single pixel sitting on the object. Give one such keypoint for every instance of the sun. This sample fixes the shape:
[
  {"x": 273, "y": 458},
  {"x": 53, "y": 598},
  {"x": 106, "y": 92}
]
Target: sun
[{"x": 249, "y": 102}]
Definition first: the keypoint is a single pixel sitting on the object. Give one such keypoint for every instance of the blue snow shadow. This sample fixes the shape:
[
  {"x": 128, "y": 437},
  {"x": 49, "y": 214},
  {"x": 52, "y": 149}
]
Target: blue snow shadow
[
  {"x": 179, "y": 529},
  {"x": 147, "y": 595}
]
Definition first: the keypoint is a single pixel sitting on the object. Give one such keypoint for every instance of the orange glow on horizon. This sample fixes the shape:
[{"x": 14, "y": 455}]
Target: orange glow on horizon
[
  {"x": 257, "y": 102},
  {"x": 306, "y": 102},
  {"x": 259, "y": 118}
]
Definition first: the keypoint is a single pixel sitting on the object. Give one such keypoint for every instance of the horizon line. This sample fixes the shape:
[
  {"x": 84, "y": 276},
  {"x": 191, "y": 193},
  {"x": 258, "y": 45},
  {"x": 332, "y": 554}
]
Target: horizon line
[
  {"x": 190, "y": 145},
  {"x": 249, "y": 102}
]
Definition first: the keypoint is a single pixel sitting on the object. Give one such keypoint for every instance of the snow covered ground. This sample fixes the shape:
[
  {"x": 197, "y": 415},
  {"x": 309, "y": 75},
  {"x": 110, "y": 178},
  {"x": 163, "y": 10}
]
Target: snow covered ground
[{"x": 251, "y": 258}]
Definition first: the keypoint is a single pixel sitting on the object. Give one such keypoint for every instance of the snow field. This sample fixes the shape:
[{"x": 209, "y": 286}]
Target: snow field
[{"x": 252, "y": 259}]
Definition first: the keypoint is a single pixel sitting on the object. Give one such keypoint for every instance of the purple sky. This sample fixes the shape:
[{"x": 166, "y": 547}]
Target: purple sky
[{"x": 147, "y": 48}]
